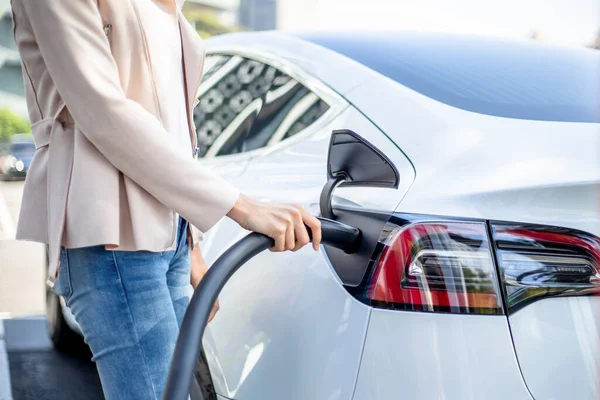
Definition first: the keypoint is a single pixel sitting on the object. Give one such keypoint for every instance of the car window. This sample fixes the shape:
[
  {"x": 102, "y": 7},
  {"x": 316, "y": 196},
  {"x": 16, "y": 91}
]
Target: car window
[{"x": 246, "y": 105}]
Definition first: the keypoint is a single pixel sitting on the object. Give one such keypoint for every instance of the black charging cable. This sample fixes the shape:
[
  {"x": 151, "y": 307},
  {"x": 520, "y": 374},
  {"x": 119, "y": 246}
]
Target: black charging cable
[{"x": 189, "y": 342}]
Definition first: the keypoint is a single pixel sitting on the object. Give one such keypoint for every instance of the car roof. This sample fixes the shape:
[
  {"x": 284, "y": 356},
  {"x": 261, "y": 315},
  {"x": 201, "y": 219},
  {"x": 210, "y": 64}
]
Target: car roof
[{"x": 337, "y": 71}]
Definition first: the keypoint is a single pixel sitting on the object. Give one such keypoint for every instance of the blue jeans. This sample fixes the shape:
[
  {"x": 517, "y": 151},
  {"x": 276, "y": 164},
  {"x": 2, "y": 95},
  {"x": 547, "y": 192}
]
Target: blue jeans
[{"x": 130, "y": 306}]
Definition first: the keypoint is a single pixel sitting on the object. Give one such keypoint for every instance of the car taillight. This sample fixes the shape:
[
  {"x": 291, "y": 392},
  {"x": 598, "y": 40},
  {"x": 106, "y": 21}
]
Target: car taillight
[
  {"x": 436, "y": 267},
  {"x": 537, "y": 262}
]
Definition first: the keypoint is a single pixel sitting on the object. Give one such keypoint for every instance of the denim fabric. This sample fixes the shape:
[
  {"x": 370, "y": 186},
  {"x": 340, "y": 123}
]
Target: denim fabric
[{"x": 130, "y": 306}]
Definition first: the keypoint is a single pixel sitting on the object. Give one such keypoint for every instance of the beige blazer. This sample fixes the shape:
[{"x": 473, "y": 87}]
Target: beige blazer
[{"x": 105, "y": 171}]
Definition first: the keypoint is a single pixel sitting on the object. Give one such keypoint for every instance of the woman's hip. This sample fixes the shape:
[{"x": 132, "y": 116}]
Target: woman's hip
[{"x": 123, "y": 304}]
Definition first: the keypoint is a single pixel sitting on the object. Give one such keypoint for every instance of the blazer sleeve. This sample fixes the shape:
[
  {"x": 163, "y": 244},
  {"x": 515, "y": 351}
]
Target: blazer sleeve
[{"x": 77, "y": 56}]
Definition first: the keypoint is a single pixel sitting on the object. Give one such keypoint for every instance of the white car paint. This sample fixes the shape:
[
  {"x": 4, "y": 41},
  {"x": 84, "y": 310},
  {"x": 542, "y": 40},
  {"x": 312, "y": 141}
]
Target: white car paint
[
  {"x": 411, "y": 355},
  {"x": 69, "y": 317},
  {"x": 467, "y": 165},
  {"x": 558, "y": 342},
  {"x": 313, "y": 348},
  {"x": 288, "y": 329},
  {"x": 480, "y": 166}
]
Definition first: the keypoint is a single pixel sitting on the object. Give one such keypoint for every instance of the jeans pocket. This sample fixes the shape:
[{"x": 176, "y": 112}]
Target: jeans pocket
[{"x": 62, "y": 285}]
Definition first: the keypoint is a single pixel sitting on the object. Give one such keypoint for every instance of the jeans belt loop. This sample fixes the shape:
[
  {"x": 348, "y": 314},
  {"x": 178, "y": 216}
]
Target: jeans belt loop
[{"x": 50, "y": 282}]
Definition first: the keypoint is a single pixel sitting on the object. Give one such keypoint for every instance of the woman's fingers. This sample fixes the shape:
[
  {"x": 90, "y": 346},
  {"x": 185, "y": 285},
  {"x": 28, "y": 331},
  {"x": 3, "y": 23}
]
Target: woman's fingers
[
  {"x": 290, "y": 235},
  {"x": 287, "y": 226},
  {"x": 302, "y": 238},
  {"x": 280, "y": 223},
  {"x": 314, "y": 225}
]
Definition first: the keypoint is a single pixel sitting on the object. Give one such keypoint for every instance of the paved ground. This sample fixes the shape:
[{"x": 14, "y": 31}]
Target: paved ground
[
  {"x": 38, "y": 372},
  {"x": 29, "y": 368},
  {"x": 50, "y": 375}
]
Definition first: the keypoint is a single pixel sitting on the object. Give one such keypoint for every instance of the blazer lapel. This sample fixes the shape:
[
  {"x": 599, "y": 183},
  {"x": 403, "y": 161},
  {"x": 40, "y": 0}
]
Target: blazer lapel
[{"x": 193, "y": 51}]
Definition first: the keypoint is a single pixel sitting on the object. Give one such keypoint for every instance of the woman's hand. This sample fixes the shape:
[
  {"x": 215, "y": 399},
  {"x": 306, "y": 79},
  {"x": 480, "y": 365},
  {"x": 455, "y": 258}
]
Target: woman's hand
[
  {"x": 199, "y": 268},
  {"x": 284, "y": 223}
]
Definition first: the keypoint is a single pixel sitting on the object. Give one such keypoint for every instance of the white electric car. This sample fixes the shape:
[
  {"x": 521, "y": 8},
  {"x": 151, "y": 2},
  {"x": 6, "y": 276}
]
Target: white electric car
[{"x": 472, "y": 168}]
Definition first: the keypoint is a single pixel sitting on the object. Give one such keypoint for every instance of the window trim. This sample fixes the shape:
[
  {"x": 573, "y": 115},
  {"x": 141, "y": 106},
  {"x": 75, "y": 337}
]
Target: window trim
[{"x": 336, "y": 103}]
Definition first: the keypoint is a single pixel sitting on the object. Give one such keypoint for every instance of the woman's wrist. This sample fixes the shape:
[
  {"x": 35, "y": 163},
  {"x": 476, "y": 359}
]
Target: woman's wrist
[{"x": 240, "y": 210}]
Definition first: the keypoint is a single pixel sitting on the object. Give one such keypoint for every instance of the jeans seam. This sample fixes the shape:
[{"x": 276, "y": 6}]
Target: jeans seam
[{"x": 135, "y": 332}]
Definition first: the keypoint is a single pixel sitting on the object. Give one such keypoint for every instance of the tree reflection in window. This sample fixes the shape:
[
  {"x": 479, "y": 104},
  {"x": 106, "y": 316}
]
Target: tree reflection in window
[{"x": 246, "y": 105}]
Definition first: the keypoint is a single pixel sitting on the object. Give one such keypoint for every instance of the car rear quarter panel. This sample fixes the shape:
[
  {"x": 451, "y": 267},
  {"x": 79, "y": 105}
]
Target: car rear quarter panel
[
  {"x": 558, "y": 344},
  {"x": 478, "y": 166}
]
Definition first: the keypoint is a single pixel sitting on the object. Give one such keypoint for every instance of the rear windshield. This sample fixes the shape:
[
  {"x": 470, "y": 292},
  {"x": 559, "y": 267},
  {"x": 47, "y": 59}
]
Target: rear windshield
[{"x": 515, "y": 79}]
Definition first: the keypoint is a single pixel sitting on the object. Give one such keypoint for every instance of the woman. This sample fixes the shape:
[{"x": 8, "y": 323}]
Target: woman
[{"x": 109, "y": 87}]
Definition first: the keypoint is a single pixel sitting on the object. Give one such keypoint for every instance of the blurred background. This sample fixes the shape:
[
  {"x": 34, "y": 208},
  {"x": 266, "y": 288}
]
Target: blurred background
[{"x": 22, "y": 265}]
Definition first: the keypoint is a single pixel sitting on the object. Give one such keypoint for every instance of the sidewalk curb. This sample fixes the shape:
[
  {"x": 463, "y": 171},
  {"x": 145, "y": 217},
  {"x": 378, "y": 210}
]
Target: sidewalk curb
[
  {"x": 5, "y": 386},
  {"x": 26, "y": 334}
]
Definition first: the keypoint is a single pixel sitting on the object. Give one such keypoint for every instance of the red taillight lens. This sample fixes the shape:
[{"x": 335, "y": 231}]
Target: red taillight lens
[
  {"x": 438, "y": 267},
  {"x": 537, "y": 262}
]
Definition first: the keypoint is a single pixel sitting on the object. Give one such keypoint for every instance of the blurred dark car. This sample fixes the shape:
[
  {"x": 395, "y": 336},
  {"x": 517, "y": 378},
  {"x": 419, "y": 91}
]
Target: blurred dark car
[{"x": 20, "y": 153}]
